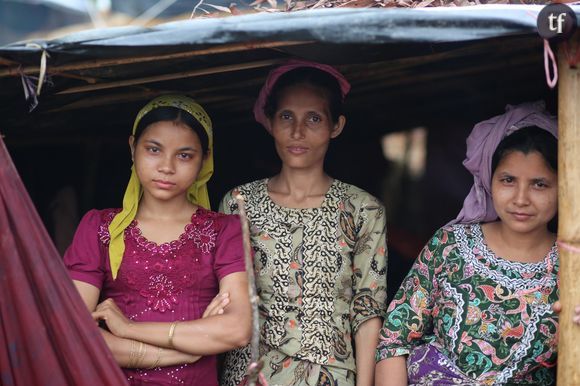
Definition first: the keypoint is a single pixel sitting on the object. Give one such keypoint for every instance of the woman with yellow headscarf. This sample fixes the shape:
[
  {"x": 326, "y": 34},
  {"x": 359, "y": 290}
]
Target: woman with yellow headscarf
[{"x": 150, "y": 271}]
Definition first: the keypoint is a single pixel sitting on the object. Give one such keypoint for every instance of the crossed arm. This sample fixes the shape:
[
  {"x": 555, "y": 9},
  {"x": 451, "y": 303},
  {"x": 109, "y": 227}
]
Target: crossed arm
[{"x": 220, "y": 329}]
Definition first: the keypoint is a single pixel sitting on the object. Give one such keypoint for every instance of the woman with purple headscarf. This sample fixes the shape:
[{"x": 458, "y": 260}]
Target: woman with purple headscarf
[
  {"x": 319, "y": 243},
  {"x": 476, "y": 307}
]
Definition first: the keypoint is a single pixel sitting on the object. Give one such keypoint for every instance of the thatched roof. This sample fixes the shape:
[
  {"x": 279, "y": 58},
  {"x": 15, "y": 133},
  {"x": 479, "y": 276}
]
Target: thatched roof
[{"x": 293, "y": 5}]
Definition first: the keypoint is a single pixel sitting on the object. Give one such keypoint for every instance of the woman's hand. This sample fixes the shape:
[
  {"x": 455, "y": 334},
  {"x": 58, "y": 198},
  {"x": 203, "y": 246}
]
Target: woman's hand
[
  {"x": 217, "y": 305},
  {"x": 557, "y": 307},
  {"x": 117, "y": 323}
]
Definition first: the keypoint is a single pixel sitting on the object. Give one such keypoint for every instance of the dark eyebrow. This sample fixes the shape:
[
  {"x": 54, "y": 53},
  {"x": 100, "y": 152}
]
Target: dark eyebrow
[
  {"x": 539, "y": 179},
  {"x": 154, "y": 142},
  {"x": 505, "y": 174}
]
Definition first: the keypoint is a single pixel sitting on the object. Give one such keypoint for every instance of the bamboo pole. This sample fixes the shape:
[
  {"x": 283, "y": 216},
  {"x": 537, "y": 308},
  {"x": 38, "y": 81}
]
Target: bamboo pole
[
  {"x": 92, "y": 64},
  {"x": 178, "y": 75},
  {"x": 7, "y": 62},
  {"x": 213, "y": 94},
  {"x": 255, "y": 366},
  {"x": 87, "y": 79},
  {"x": 569, "y": 214}
]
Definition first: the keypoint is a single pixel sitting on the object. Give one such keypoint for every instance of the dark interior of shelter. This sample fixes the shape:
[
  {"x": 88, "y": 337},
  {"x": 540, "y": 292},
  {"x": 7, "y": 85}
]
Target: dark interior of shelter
[{"x": 408, "y": 116}]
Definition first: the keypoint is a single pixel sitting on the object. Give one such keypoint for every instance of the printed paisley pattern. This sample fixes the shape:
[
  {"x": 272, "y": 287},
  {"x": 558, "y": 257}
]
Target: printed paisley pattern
[
  {"x": 490, "y": 317},
  {"x": 320, "y": 273}
]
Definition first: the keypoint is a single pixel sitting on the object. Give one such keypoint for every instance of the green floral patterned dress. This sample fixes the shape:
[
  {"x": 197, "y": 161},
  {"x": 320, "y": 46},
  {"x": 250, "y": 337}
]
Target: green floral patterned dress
[
  {"x": 320, "y": 273},
  {"x": 484, "y": 320}
]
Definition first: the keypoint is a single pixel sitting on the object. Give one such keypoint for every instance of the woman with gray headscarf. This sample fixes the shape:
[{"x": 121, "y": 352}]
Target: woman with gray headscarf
[{"x": 476, "y": 307}]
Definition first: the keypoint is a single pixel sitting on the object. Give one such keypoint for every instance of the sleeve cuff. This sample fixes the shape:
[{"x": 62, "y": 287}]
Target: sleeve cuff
[
  {"x": 86, "y": 277},
  {"x": 232, "y": 268},
  {"x": 360, "y": 319},
  {"x": 385, "y": 353}
]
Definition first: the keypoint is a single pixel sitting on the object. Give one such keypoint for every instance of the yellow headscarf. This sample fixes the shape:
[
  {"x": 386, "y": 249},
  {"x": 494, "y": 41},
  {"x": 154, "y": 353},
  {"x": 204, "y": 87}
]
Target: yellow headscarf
[{"x": 197, "y": 192}]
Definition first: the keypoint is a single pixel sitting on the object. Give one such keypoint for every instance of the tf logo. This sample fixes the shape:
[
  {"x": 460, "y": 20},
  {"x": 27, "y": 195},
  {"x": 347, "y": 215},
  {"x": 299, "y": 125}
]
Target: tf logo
[{"x": 556, "y": 22}]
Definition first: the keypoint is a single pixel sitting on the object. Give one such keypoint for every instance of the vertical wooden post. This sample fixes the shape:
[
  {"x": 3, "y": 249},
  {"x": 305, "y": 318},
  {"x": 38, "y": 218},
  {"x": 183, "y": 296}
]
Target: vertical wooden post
[{"x": 569, "y": 214}]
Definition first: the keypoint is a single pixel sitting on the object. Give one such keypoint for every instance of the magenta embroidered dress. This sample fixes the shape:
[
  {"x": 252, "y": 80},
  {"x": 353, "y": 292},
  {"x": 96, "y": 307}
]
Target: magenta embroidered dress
[{"x": 161, "y": 283}]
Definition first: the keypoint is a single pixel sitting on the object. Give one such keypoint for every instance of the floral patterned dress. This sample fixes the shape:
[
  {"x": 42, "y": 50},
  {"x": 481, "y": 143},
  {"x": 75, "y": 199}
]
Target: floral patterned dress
[
  {"x": 161, "y": 283},
  {"x": 465, "y": 316},
  {"x": 320, "y": 273}
]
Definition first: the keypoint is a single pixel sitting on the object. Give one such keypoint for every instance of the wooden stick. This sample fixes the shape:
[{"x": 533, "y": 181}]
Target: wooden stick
[
  {"x": 255, "y": 342},
  {"x": 568, "y": 215},
  {"x": 105, "y": 100},
  {"x": 87, "y": 79},
  {"x": 8, "y": 62},
  {"x": 92, "y": 64},
  {"x": 178, "y": 75},
  {"x": 213, "y": 93}
]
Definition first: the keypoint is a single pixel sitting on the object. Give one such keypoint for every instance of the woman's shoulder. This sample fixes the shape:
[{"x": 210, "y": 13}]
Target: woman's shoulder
[
  {"x": 253, "y": 193},
  {"x": 461, "y": 230},
  {"x": 95, "y": 223},
  {"x": 100, "y": 216},
  {"x": 249, "y": 189},
  {"x": 357, "y": 196},
  {"x": 454, "y": 234},
  {"x": 220, "y": 219}
]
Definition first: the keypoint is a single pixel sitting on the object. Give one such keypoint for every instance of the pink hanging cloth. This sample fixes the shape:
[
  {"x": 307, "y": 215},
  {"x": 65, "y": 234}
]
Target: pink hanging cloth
[{"x": 47, "y": 337}]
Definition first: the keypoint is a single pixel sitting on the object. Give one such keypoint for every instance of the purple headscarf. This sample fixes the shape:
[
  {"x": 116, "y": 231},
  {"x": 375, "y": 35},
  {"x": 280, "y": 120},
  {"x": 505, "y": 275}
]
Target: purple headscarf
[
  {"x": 481, "y": 144},
  {"x": 275, "y": 74}
]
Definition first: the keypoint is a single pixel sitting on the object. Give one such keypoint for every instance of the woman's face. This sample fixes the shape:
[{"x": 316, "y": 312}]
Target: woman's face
[
  {"x": 168, "y": 157},
  {"x": 524, "y": 191},
  {"x": 302, "y": 127}
]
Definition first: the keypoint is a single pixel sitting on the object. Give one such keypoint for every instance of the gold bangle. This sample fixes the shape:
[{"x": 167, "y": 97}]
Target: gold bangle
[
  {"x": 132, "y": 356},
  {"x": 171, "y": 334},
  {"x": 156, "y": 363},
  {"x": 141, "y": 355}
]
